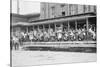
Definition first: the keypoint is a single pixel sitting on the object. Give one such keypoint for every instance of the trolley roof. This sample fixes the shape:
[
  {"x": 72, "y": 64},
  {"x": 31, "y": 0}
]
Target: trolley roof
[{"x": 56, "y": 20}]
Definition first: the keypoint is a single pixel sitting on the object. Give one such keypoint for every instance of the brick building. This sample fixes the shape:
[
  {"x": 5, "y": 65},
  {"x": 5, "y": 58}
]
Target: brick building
[{"x": 53, "y": 10}]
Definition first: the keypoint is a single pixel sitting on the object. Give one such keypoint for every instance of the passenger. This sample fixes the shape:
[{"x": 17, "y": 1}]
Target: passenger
[
  {"x": 76, "y": 35},
  {"x": 59, "y": 34},
  {"x": 94, "y": 31},
  {"x": 84, "y": 33},
  {"x": 46, "y": 35},
  {"x": 51, "y": 34},
  {"x": 80, "y": 35},
  {"x": 65, "y": 37},
  {"x": 93, "y": 35},
  {"x": 35, "y": 35},
  {"x": 40, "y": 35},
  {"x": 71, "y": 35},
  {"x": 25, "y": 37},
  {"x": 16, "y": 43},
  {"x": 31, "y": 36},
  {"x": 19, "y": 37},
  {"x": 22, "y": 36}
]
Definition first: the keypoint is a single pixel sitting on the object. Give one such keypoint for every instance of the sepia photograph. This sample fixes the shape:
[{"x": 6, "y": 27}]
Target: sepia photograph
[{"x": 43, "y": 33}]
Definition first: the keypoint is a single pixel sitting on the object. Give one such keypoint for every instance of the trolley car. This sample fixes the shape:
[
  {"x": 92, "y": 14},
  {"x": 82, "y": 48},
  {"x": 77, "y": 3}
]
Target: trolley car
[{"x": 68, "y": 31}]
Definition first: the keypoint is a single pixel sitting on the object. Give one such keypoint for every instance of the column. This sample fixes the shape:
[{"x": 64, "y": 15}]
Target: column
[
  {"x": 62, "y": 27},
  {"x": 55, "y": 27},
  {"x": 43, "y": 27},
  {"x": 87, "y": 27},
  {"x": 76, "y": 30},
  {"x": 68, "y": 26},
  {"x": 37, "y": 27},
  {"x": 27, "y": 29},
  {"x": 49, "y": 26},
  {"x": 75, "y": 25}
]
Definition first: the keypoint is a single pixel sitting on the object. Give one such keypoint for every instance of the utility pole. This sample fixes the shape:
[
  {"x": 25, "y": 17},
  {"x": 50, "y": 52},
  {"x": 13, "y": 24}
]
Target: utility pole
[{"x": 18, "y": 7}]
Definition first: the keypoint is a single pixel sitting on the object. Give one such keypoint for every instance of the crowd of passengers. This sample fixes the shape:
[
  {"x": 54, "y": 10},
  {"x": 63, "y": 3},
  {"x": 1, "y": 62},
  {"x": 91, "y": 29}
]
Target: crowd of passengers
[
  {"x": 46, "y": 35},
  {"x": 51, "y": 35}
]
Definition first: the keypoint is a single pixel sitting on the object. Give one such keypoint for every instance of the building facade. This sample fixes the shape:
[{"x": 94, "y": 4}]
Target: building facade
[{"x": 53, "y": 10}]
